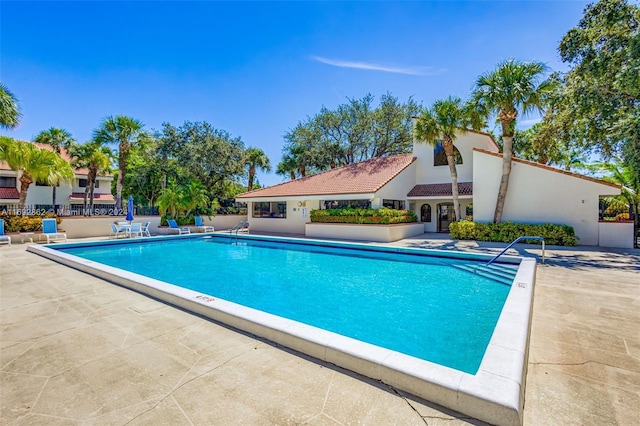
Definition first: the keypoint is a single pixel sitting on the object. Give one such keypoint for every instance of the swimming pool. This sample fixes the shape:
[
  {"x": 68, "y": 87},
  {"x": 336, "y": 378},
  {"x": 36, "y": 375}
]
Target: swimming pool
[{"x": 302, "y": 293}]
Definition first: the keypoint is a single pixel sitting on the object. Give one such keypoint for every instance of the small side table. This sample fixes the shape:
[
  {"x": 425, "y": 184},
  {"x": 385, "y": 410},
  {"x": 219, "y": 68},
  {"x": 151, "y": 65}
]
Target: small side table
[{"x": 25, "y": 235}]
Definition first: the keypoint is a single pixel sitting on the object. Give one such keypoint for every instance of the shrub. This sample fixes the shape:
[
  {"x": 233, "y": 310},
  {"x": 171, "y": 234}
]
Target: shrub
[
  {"x": 505, "y": 232},
  {"x": 381, "y": 216},
  {"x": 622, "y": 216},
  {"x": 29, "y": 223}
]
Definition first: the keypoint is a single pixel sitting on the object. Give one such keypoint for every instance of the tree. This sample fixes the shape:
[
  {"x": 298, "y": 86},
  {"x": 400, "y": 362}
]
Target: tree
[
  {"x": 629, "y": 179},
  {"x": 203, "y": 153},
  {"x": 171, "y": 200},
  {"x": 287, "y": 167},
  {"x": 34, "y": 165},
  {"x": 58, "y": 139},
  {"x": 352, "y": 132},
  {"x": 125, "y": 132},
  {"x": 194, "y": 197},
  {"x": 446, "y": 119},
  {"x": 514, "y": 87},
  {"x": 601, "y": 92},
  {"x": 9, "y": 109},
  {"x": 255, "y": 158},
  {"x": 96, "y": 158}
]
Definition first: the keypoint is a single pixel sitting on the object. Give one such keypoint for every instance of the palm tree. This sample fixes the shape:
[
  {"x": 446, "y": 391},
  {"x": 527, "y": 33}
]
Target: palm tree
[
  {"x": 255, "y": 158},
  {"x": 287, "y": 166},
  {"x": 195, "y": 196},
  {"x": 171, "y": 200},
  {"x": 512, "y": 86},
  {"x": 96, "y": 158},
  {"x": 123, "y": 131},
  {"x": 34, "y": 165},
  {"x": 57, "y": 139},
  {"x": 446, "y": 119},
  {"x": 9, "y": 109}
]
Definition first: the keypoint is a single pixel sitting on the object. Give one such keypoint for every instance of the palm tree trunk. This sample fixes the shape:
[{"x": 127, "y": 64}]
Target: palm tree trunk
[
  {"x": 447, "y": 144},
  {"x": 122, "y": 167},
  {"x": 25, "y": 181},
  {"x": 54, "y": 197},
  {"x": 84, "y": 201},
  {"x": 507, "y": 155},
  {"x": 292, "y": 175},
  {"x": 252, "y": 173}
]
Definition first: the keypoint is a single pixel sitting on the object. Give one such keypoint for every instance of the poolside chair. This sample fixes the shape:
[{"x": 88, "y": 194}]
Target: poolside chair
[
  {"x": 50, "y": 231},
  {"x": 145, "y": 229},
  {"x": 201, "y": 227},
  {"x": 4, "y": 239},
  {"x": 173, "y": 226},
  {"x": 244, "y": 228},
  {"x": 135, "y": 229},
  {"x": 116, "y": 231}
]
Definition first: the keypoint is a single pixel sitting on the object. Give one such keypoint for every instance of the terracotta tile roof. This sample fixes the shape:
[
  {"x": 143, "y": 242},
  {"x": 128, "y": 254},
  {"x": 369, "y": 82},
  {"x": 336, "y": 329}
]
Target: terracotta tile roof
[
  {"x": 440, "y": 189},
  {"x": 100, "y": 197},
  {"x": 361, "y": 178},
  {"x": 552, "y": 169},
  {"x": 9, "y": 194}
]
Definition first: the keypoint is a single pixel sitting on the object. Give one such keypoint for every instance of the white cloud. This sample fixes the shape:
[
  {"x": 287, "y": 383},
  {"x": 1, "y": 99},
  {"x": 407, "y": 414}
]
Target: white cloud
[{"x": 379, "y": 67}]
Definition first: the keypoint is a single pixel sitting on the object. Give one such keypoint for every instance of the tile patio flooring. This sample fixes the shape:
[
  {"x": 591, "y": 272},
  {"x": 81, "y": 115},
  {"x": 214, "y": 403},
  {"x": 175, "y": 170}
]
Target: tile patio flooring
[{"x": 77, "y": 350}]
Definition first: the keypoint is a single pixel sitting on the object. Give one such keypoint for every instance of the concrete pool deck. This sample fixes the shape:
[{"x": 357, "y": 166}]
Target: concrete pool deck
[{"x": 75, "y": 349}]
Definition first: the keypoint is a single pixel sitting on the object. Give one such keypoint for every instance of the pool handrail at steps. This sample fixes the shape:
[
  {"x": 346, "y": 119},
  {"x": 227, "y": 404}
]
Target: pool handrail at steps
[
  {"x": 514, "y": 242},
  {"x": 242, "y": 226}
]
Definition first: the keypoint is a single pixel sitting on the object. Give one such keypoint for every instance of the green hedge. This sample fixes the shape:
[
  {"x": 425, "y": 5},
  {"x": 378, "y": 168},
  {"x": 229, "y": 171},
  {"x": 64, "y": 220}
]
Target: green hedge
[
  {"x": 505, "y": 232},
  {"x": 30, "y": 223},
  {"x": 382, "y": 216}
]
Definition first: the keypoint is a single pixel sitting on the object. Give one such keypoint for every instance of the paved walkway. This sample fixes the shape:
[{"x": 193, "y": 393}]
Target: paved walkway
[{"x": 77, "y": 350}]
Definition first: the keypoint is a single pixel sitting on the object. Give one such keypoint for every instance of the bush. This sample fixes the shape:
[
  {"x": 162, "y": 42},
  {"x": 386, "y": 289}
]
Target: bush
[
  {"x": 623, "y": 216},
  {"x": 30, "y": 223},
  {"x": 180, "y": 220},
  {"x": 381, "y": 216},
  {"x": 505, "y": 232}
]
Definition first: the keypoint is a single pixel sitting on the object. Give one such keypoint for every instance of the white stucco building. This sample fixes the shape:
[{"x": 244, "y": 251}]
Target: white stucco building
[
  {"x": 69, "y": 195},
  {"x": 421, "y": 182}
]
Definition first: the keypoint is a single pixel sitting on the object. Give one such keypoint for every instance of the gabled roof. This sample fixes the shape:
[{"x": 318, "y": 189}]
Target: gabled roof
[
  {"x": 553, "y": 169},
  {"x": 365, "y": 177},
  {"x": 440, "y": 189},
  {"x": 9, "y": 194}
]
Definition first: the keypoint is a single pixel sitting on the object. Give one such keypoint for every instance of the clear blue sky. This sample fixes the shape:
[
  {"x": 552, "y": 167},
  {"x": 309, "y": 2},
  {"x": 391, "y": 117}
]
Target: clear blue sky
[{"x": 255, "y": 69}]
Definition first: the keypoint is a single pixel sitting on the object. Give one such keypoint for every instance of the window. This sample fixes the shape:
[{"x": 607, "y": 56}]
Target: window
[
  {"x": 425, "y": 213},
  {"x": 270, "y": 210},
  {"x": 82, "y": 183},
  {"x": 7, "y": 182},
  {"x": 393, "y": 204},
  {"x": 440, "y": 158},
  {"x": 345, "y": 204}
]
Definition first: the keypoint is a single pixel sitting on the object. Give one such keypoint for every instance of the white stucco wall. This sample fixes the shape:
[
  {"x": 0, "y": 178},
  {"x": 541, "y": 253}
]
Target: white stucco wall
[
  {"x": 538, "y": 195},
  {"x": 616, "y": 234},
  {"x": 399, "y": 187},
  {"x": 426, "y": 172},
  {"x": 294, "y": 223}
]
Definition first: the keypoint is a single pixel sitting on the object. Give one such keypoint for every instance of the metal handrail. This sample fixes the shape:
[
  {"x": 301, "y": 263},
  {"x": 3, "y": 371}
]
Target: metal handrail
[
  {"x": 514, "y": 242},
  {"x": 238, "y": 227}
]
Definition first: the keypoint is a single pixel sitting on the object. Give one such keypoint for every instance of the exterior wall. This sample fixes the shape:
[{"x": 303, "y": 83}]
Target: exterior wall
[
  {"x": 537, "y": 195},
  {"x": 433, "y": 225},
  {"x": 428, "y": 173},
  {"x": 399, "y": 187},
  {"x": 223, "y": 221},
  {"x": 294, "y": 223},
  {"x": 44, "y": 194},
  {"x": 377, "y": 233},
  {"x": 615, "y": 234}
]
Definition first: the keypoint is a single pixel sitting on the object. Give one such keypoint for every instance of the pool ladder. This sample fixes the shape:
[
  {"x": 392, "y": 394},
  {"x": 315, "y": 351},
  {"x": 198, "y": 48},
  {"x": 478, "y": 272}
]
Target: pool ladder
[
  {"x": 514, "y": 242},
  {"x": 241, "y": 226}
]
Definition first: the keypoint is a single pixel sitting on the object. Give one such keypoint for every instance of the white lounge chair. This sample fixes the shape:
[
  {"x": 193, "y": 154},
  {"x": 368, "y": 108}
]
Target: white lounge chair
[
  {"x": 4, "y": 239},
  {"x": 50, "y": 231},
  {"x": 173, "y": 226},
  {"x": 202, "y": 227}
]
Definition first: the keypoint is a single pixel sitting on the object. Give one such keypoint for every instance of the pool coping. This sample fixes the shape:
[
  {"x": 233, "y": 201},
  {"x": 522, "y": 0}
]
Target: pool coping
[{"x": 495, "y": 394}]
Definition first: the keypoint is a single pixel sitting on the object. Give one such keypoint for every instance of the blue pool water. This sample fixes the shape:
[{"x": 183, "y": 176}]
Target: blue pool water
[{"x": 422, "y": 306}]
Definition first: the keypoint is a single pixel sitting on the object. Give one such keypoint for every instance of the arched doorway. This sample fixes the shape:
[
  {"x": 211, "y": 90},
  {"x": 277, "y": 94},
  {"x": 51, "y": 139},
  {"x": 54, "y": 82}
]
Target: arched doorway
[
  {"x": 446, "y": 215},
  {"x": 425, "y": 213}
]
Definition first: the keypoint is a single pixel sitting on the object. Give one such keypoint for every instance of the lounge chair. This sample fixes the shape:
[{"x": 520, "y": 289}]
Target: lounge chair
[
  {"x": 50, "y": 231},
  {"x": 135, "y": 229},
  {"x": 4, "y": 239},
  {"x": 174, "y": 226},
  {"x": 145, "y": 229},
  {"x": 117, "y": 230},
  {"x": 201, "y": 227},
  {"x": 244, "y": 228}
]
